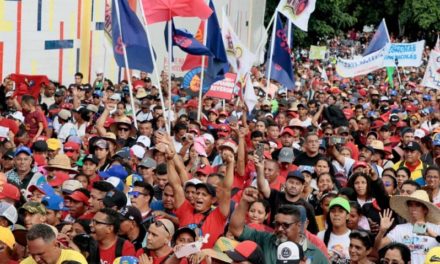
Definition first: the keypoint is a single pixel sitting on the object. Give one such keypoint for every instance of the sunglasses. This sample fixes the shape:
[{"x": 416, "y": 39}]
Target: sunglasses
[
  {"x": 135, "y": 194},
  {"x": 284, "y": 225},
  {"x": 123, "y": 129},
  {"x": 158, "y": 223},
  {"x": 96, "y": 222}
]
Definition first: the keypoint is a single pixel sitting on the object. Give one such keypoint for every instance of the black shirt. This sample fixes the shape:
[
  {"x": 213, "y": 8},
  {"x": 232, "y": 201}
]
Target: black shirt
[
  {"x": 276, "y": 199},
  {"x": 304, "y": 159}
]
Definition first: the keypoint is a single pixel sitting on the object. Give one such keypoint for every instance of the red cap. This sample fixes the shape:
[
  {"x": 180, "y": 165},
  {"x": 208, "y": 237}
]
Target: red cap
[
  {"x": 67, "y": 106},
  {"x": 401, "y": 124},
  {"x": 9, "y": 123},
  {"x": 213, "y": 111},
  {"x": 193, "y": 103},
  {"x": 137, "y": 84},
  {"x": 224, "y": 113},
  {"x": 412, "y": 108},
  {"x": 362, "y": 92},
  {"x": 349, "y": 113},
  {"x": 267, "y": 155},
  {"x": 10, "y": 191},
  {"x": 205, "y": 169},
  {"x": 358, "y": 164},
  {"x": 70, "y": 148},
  {"x": 59, "y": 179},
  {"x": 288, "y": 131},
  {"x": 377, "y": 124},
  {"x": 79, "y": 197},
  {"x": 40, "y": 160}
]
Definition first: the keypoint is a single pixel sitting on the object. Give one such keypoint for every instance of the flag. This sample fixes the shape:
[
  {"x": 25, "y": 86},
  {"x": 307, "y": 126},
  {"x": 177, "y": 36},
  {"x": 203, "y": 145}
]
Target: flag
[
  {"x": 390, "y": 73},
  {"x": 128, "y": 30},
  {"x": 437, "y": 44},
  {"x": 380, "y": 39},
  {"x": 250, "y": 98},
  {"x": 317, "y": 52},
  {"x": 194, "y": 61},
  {"x": 239, "y": 56},
  {"x": 186, "y": 42},
  {"x": 432, "y": 72},
  {"x": 163, "y": 10},
  {"x": 28, "y": 84},
  {"x": 218, "y": 63},
  {"x": 281, "y": 65},
  {"x": 297, "y": 11}
]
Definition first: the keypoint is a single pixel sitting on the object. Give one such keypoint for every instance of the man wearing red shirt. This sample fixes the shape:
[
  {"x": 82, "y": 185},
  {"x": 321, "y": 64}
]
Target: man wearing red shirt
[
  {"x": 159, "y": 236},
  {"x": 104, "y": 228}
]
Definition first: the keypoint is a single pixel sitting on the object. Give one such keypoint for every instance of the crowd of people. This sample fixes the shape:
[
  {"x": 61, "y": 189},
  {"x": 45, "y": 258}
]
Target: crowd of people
[{"x": 333, "y": 170}]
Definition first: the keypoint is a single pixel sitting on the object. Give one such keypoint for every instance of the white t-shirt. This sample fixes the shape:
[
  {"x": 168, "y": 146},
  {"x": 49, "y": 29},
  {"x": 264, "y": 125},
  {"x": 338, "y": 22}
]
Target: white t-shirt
[
  {"x": 338, "y": 246},
  {"x": 418, "y": 244}
]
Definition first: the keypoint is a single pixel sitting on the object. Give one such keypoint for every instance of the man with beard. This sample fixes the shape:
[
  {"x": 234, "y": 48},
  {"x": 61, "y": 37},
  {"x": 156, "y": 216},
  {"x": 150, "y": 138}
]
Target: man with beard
[
  {"x": 288, "y": 227},
  {"x": 293, "y": 189}
]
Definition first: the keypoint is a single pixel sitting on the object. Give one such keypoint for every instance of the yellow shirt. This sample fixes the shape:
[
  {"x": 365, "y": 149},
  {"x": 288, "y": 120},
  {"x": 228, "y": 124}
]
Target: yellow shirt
[{"x": 66, "y": 254}]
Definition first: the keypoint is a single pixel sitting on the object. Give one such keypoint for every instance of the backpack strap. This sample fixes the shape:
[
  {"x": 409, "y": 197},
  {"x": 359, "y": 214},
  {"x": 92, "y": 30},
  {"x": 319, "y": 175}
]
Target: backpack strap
[{"x": 119, "y": 247}]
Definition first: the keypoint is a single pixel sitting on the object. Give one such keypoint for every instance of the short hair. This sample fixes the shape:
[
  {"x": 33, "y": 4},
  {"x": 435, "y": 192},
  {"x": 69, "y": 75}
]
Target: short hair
[
  {"x": 289, "y": 209},
  {"x": 102, "y": 186},
  {"x": 180, "y": 126},
  {"x": 28, "y": 99},
  {"x": 310, "y": 134},
  {"x": 42, "y": 231},
  {"x": 79, "y": 74},
  {"x": 221, "y": 176},
  {"x": 112, "y": 218},
  {"x": 405, "y": 252},
  {"x": 147, "y": 187},
  {"x": 256, "y": 133},
  {"x": 413, "y": 183},
  {"x": 431, "y": 168},
  {"x": 364, "y": 236}
]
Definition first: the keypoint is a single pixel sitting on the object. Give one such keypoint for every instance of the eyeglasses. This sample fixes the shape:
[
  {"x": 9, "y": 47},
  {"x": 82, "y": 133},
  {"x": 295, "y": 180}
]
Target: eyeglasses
[
  {"x": 158, "y": 223},
  {"x": 284, "y": 225},
  {"x": 387, "y": 261},
  {"x": 135, "y": 194},
  {"x": 123, "y": 129},
  {"x": 96, "y": 222}
]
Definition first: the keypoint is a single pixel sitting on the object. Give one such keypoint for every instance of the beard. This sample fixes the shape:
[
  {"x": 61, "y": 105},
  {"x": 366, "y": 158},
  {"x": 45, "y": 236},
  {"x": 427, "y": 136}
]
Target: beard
[{"x": 280, "y": 239}]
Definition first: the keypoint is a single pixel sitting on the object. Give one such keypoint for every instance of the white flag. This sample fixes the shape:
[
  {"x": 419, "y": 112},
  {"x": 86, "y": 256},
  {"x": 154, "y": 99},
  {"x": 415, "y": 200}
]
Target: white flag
[
  {"x": 437, "y": 44},
  {"x": 432, "y": 73},
  {"x": 239, "y": 56},
  {"x": 250, "y": 99},
  {"x": 297, "y": 11}
]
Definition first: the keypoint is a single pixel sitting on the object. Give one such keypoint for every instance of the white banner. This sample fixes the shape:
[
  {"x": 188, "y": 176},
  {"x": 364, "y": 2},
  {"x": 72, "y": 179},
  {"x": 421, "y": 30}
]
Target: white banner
[
  {"x": 406, "y": 54},
  {"x": 297, "y": 11},
  {"x": 432, "y": 73},
  {"x": 360, "y": 66}
]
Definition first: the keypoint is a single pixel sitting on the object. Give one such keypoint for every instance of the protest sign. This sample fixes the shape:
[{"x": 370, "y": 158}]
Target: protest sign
[
  {"x": 432, "y": 73},
  {"x": 360, "y": 66},
  {"x": 406, "y": 54},
  {"x": 223, "y": 89},
  {"x": 317, "y": 52}
]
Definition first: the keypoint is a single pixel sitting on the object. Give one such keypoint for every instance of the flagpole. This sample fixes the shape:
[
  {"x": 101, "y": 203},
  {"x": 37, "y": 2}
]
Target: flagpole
[
  {"x": 202, "y": 74},
  {"x": 127, "y": 67},
  {"x": 271, "y": 53},
  {"x": 250, "y": 23},
  {"x": 156, "y": 70},
  {"x": 170, "y": 65},
  {"x": 289, "y": 33}
]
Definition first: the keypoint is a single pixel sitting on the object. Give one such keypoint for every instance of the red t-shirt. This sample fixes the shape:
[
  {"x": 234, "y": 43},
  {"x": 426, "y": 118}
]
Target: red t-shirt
[
  {"x": 277, "y": 183},
  {"x": 284, "y": 172},
  {"x": 156, "y": 259},
  {"x": 214, "y": 223},
  {"x": 108, "y": 255},
  {"x": 31, "y": 121},
  {"x": 92, "y": 180}
]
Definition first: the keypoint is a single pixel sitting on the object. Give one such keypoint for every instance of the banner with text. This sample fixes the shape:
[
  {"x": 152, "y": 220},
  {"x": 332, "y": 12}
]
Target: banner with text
[
  {"x": 404, "y": 54},
  {"x": 360, "y": 66},
  {"x": 432, "y": 73},
  {"x": 223, "y": 89}
]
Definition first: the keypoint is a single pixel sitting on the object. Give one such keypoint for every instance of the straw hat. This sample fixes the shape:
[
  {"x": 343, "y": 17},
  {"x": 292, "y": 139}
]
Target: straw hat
[
  {"x": 62, "y": 162},
  {"x": 110, "y": 137},
  {"x": 124, "y": 121},
  {"x": 399, "y": 204},
  {"x": 377, "y": 145}
]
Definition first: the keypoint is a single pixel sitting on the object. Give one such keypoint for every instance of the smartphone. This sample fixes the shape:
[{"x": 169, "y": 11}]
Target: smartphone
[
  {"x": 338, "y": 140},
  {"x": 260, "y": 151},
  {"x": 419, "y": 229},
  {"x": 188, "y": 249}
]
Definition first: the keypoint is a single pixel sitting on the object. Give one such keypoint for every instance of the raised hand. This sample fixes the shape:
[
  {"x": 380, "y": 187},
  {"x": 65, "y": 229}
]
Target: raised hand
[
  {"x": 250, "y": 195},
  {"x": 386, "y": 220}
]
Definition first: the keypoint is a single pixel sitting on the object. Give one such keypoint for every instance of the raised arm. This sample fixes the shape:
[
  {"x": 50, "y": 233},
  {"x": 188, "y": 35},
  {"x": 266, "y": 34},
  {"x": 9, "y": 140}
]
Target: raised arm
[
  {"x": 241, "y": 153},
  {"x": 101, "y": 120},
  {"x": 263, "y": 185},
  {"x": 237, "y": 223},
  {"x": 224, "y": 190}
]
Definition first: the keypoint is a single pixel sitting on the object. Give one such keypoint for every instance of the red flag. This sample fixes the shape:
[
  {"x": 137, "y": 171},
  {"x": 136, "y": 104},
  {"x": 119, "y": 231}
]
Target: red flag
[
  {"x": 194, "y": 61},
  {"x": 164, "y": 10},
  {"x": 28, "y": 84}
]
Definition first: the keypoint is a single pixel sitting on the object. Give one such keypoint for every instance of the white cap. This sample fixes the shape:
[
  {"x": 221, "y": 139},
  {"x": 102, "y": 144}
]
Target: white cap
[
  {"x": 193, "y": 181},
  {"x": 146, "y": 141},
  {"x": 9, "y": 212},
  {"x": 384, "y": 98},
  {"x": 138, "y": 151},
  {"x": 116, "y": 97},
  {"x": 289, "y": 252},
  {"x": 209, "y": 137},
  {"x": 17, "y": 115},
  {"x": 419, "y": 133}
]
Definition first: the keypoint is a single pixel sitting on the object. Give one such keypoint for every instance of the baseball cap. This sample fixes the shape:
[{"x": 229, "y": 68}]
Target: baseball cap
[
  {"x": 59, "y": 179},
  {"x": 137, "y": 151},
  {"x": 296, "y": 174},
  {"x": 208, "y": 187},
  {"x": 23, "y": 149},
  {"x": 412, "y": 145},
  {"x": 40, "y": 146},
  {"x": 130, "y": 213},
  {"x": 230, "y": 144},
  {"x": 339, "y": 201},
  {"x": 287, "y": 131},
  {"x": 102, "y": 143},
  {"x": 79, "y": 196},
  {"x": 9, "y": 154},
  {"x": 10, "y": 191},
  {"x": 116, "y": 170},
  {"x": 34, "y": 208},
  {"x": 286, "y": 155},
  {"x": 433, "y": 255},
  {"x": 7, "y": 237},
  {"x": 148, "y": 163},
  {"x": 246, "y": 251},
  {"x": 358, "y": 164},
  {"x": 115, "y": 198},
  {"x": 54, "y": 202},
  {"x": 91, "y": 158},
  {"x": 126, "y": 260},
  {"x": 70, "y": 186},
  {"x": 192, "y": 182},
  {"x": 144, "y": 140},
  {"x": 9, "y": 212},
  {"x": 116, "y": 182},
  {"x": 131, "y": 179},
  {"x": 289, "y": 253},
  {"x": 205, "y": 169},
  {"x": 70, "y": 146},
  {"x": 53, "y": 144},
  {"x": 43, "y": 187}
]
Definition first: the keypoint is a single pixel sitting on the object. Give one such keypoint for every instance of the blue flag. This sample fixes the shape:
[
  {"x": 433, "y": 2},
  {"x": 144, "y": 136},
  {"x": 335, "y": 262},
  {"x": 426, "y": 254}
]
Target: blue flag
[
  {"x": 218, "y": 63},
  {"x": 282, "y": 70},
  {"x": 380, "y": 39},
  {"x": 186, "y": 41},
  {"x": 130, "y": 33}
]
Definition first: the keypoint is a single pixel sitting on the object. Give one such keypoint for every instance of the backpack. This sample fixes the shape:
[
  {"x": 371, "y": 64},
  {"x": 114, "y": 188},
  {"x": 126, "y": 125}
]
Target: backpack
[{"x": 119, "y": 246}]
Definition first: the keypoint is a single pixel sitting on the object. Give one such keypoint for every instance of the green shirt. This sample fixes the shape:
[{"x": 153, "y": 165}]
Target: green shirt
[{"x": 267, "y": 243}]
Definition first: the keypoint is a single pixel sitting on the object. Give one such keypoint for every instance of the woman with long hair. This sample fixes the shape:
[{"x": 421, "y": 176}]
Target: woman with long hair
[{"x": 361, "y": 245}]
